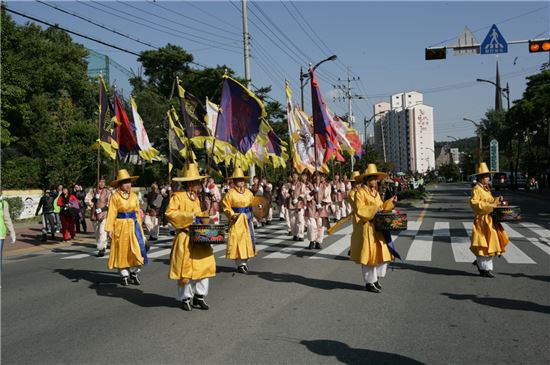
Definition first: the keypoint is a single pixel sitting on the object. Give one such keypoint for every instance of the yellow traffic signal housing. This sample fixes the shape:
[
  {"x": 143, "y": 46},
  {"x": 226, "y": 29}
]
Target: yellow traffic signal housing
[
  {"x": 539, "y": 45},
  {"x": 439, "y": 53}
]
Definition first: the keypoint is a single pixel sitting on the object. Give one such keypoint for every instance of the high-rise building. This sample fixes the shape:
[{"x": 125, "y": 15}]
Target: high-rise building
[{"x": 403, "y": 132}]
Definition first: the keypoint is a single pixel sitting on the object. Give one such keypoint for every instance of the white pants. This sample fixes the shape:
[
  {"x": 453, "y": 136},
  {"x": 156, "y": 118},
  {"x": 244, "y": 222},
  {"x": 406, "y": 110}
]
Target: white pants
[
  {"x": 315, "y": 229},
  {"x": 152, "y": 224},
  {"x": 192, "y": 288},
  {"x": 339, "y": 210},
  {"x": 239, "y": 262},
  {"x": 372, "y": 273},
  {"x": 100, "y": 234},
  {"x": 269, "y": 217},
  {"x": 348, "y": 207},
  {"x": 485, "y": 262},
  {"x": 297, "y": 222},
  {"x": 287, "y": 219},
  {"x": 126, "y": 272}
]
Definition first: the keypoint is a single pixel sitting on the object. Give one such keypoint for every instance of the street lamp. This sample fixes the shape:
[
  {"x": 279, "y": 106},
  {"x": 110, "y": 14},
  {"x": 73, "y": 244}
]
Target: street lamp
[
  {"x": 305, "y": 76},
  {"x": 500, "y": 90},
  {"x": 366, "y": 123},
  {"x": 456, "y": 139},
  {"x": 478, "y": 126}
]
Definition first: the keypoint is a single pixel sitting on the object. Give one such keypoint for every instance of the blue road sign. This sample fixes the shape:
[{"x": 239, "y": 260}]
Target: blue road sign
[{"x": 494, "y": 42}]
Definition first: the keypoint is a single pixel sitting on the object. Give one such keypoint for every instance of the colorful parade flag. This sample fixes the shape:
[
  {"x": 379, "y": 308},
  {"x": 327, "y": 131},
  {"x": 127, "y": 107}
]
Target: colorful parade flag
[
  {"x": 125, "y": 131},
  {"x": 175, "y": 142},
  {"x": 146, "y": 150},
  {"x": 212, "y": 111},
  {"x": 300, "y": 130},
  {"x": 240, "y": 115},
  {"x": 321, "y": 121},
  {"x": 106, "y": 122},
  {"x": 193, "y": 113}
]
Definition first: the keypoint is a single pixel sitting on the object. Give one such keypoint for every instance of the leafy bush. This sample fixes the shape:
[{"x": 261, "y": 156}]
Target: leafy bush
[
  {"x": 15, "y": 205},
  {"x": 411, "y": 194},
  {"x": 21, "y": 173}
]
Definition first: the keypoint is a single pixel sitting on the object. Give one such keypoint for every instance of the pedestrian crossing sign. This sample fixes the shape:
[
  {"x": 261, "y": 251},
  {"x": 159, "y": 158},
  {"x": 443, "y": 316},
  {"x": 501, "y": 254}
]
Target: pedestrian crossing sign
[{"x": 494, "y": 42}]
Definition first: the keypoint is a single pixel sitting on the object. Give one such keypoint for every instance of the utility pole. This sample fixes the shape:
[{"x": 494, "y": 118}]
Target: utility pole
[
  {"x": 246, "y": 45},
  {"x": 349, "y": 96}
]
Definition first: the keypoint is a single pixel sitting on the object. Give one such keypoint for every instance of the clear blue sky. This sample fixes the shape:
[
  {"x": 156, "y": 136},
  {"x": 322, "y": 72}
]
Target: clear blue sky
[{"x": 382, "y": 42}]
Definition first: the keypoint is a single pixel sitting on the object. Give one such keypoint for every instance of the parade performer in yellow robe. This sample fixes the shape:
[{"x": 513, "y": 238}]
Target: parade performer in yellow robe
[
  {"x": 128, "y": 252},
  {"x": 190, "y": 264},
  {"x": 369, "y": 247},
  {"x": 236, "y": 206},
  {"x": 488, "y": 237}
]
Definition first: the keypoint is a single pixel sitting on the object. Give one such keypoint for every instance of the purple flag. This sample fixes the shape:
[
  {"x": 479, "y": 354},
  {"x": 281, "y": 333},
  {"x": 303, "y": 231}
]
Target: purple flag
[{"x": 239, "y": 116}]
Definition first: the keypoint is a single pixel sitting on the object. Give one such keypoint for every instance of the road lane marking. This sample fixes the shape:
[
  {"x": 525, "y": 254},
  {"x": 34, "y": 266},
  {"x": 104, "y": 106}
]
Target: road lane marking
[
  {"x": 461, "y": 249},
  {"x": 412, "y": 228},
  {"x": 539, "y": 244},
  {"x": 159, "y": 253},
  {"x": 421, "y": 249},
  {"x": 512, "y": 233},
  {"x": 514, "y": 255},
  {"x": 539, "y": 230},
  {"x": 74, "y": 257},
  {"x": 338, "y": 247},
  {"x": 441, "y": 229}
]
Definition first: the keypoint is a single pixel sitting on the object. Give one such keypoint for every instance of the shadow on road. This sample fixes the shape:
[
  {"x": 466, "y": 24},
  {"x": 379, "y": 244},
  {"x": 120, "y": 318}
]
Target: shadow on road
[
  {"x": 302, "y": 280},
  {"x": 432, "y": 270},
  {"x": 350, "y": 355},
  {"x": 502, "y": 303},
  {"x": 106, "y": 285},
  {"x": 533, "y": 277}
]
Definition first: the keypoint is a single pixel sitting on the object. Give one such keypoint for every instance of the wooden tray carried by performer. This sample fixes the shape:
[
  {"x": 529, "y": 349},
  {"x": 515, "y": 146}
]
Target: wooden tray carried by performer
[
  {"x": 207, "y": 233},
  {"x": 388, "y": 221},
  {"x": 260, "y": 207},
  {"x": 508, "y": 213}
]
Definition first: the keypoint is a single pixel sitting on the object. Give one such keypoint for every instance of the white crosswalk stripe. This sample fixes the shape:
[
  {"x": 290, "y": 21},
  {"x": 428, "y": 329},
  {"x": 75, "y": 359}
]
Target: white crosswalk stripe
[
  {"x": 421, "y": 249},
  {"x": 274, "y": 243},
  {"x": 461, "y": 249}
]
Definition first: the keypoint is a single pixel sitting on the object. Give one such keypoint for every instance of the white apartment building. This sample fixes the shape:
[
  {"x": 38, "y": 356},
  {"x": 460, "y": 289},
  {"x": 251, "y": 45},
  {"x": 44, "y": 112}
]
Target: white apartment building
[{"x": 404, "y": 133}]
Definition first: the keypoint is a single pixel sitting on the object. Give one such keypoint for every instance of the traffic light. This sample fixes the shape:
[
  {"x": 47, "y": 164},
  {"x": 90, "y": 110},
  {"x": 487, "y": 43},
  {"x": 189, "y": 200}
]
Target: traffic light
[
  {"x": 539, "y": 45},
  {"x": 439, "y": 53}
]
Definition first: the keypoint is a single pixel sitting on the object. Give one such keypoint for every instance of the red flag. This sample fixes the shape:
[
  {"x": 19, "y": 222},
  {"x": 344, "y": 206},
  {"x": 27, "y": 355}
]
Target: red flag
[
  {"x": 125, "y": 131},
  {"x": 321, "y": 121}
]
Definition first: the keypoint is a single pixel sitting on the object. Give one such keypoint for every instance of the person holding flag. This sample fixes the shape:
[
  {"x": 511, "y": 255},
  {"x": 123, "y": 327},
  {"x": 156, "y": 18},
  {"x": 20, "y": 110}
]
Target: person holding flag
[
  {"x": 370, "y": 248},
  {"x": 236, "y": 204},
  {"x": 123, "y": 226},
  {"x": 190, "y": 264}
]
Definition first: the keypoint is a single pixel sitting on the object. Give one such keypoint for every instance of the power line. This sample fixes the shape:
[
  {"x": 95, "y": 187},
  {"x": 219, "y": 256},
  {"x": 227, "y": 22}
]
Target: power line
[
  {"x": 193, "y": 19},
  {"x": 68, "y": 31},
  {"x": 219, "y": 46},
  {"x": 212, "y": 15},
  {"x": 96, "y": 24},
  {"x": 173, "y": 21}
]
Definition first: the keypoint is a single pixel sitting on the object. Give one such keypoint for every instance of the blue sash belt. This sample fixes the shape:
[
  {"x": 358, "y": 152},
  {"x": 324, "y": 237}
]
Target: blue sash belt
[
  {"x": 248, "y": 213},
  {"x": 137, "y": 229},
  {"x": 389, "y": 242}
]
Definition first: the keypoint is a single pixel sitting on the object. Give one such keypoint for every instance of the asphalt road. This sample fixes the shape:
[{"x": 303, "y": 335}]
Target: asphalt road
[{"x": 296, "y": 306}]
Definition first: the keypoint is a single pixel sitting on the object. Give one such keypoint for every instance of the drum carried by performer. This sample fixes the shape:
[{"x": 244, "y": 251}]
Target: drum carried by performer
[
  {"x": 488, "y": 236},
  {"x": 369, "y": 247},
  {"x": 192, "y": 263},
  {"x": 237, "y": 207}
]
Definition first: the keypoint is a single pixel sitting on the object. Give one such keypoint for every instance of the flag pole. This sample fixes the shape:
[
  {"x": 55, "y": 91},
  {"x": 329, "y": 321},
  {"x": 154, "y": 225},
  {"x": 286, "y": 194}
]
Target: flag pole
[
  {"x": 116, "y": 162},
  {"x": 169, "y": 153},
  {"x": 99, "y": 130},
  {"x": 314, "y": 134}
]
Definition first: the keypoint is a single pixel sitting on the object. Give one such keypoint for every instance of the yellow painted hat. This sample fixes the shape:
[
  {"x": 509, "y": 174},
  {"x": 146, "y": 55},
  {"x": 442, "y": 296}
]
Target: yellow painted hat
[
  {"x": 122, "y": 175},
  {"x": 482, "y": 169},
  {"x": 371, "y": 171},
  {"x": 238, "y": 174},
  {"x": 354, "y": 175},
  {"x": 190, "y": 173}
]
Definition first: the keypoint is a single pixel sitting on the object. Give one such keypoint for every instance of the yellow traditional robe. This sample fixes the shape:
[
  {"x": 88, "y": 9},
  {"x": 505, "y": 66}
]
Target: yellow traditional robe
[
  {"x": 239, "y": 240},
  {"x": 187, "y": 260},
  {"x": 488, "y": 237},
  {"x": 368, "y": 246},
  {"x": 125, "y": 251}
]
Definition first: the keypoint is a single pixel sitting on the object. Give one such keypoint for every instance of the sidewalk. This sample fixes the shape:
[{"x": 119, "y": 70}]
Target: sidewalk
[{"x": 29, "y": 234}]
